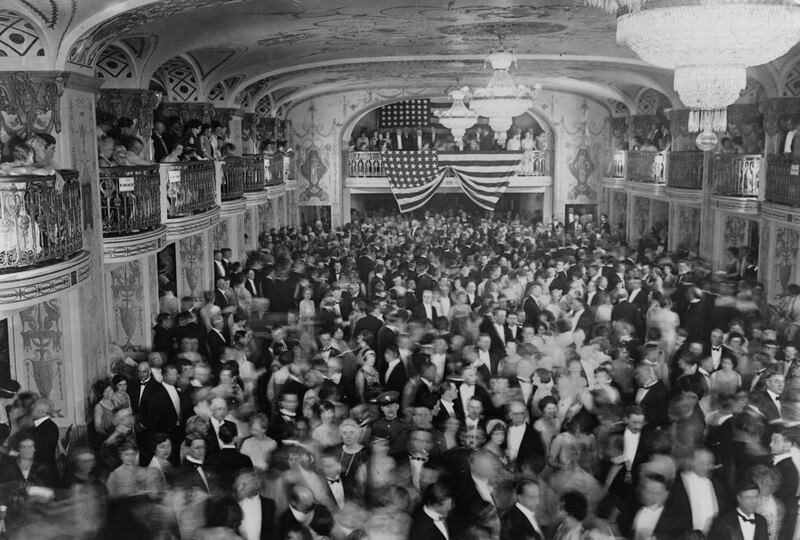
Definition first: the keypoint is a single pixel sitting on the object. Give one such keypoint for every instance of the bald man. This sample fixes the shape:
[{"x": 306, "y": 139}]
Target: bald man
[{"x": 305, "y": 513}]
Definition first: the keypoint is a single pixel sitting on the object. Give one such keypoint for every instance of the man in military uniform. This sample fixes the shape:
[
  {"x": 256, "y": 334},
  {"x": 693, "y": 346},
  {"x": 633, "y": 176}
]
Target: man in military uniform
[{"x": 390, "y": 427}]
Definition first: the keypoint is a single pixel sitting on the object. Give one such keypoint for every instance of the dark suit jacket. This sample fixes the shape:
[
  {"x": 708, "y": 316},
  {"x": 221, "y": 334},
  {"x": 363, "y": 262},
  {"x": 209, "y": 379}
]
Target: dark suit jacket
[
  {"x": 515, "y": 526},
  {"x": 216, "y": 349},
  {"x": 321, "y": 522},
  {"x": 586, "y": 323},
  {"x": 385, "y": 337},
  {"x": 422, "y": 527},
  {"x": 655, "y": 404},
  {"x": 531, "y": 451},
  {"x": 252, "y": 288},
  {"x": 484, "y": 372},
  {"x": 418, "y": 314},
  {"x": 212, "y": 444},
  {"x": 45, "y": 438},
  {"x": 625, "y": 311},
  {"x": 220, "y": 299},
  {"x": 187, "y": 477},
  {"x": 397, "y": 379},
  {"x": 532, "y": 310},
  {"x": 164, "y": 340},
  {"x": 679, "y": 508},
  {"x": 727, "y": 527},
  {"x": 267, "y": 518},
  {"x": 371, "y": 323},
  {"x": 764, "y": 403},
  {"x": 480, "y": 393},
  {"x": 155, "y": 409},
  {"x": 225, "y": 464},
  {"x": 498, "y": 346}
]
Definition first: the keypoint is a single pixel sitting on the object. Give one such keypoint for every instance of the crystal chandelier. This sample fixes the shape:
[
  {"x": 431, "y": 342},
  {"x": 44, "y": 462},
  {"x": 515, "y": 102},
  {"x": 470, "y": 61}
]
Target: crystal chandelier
[
  {"x": 709, "y": 44},
  {"x": 501, "y": 99},
  {"x": 458, "y": 118}
]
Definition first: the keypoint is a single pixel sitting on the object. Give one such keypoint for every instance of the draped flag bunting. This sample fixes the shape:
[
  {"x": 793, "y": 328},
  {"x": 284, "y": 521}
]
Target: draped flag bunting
[{"x": 414, "y": 177}]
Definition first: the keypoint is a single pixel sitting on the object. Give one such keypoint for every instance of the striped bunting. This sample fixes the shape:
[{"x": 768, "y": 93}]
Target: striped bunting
[
  {"x": 414, "y": 177},
  {"x": 483, "y": 176}
]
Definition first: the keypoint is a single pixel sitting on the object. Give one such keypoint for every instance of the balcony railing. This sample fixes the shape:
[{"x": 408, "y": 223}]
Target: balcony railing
[
  {"x": 40, "y": 219},
  {"x": 685, "y": 170},
  {"x": 277, "y": 169},
  {"x": 233, "y": 178},
  {"x": 255, "y": 169},
  {"x": 190, "y": 187},
  {"x": 783, "y": 183},
  {"x": 130, "y": 199},
  {"x": 616, "y": 168},
  {"x": 370, "y": 164},
  {"x": 737, "y": 175},
  {"x": 646, "y": 167}
]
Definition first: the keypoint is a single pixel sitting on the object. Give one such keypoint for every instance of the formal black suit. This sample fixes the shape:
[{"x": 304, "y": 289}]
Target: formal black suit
[
  {"x": 480, "y": 394},
  {"x": 515, "y": 526},
  {"x": 188, "y": 477},
  {"x": 655, "y": 404},
  {"x": 371, "y": 323},
  {"x": 424, "y": 396},
  {"x": 764, "y": 403},
  {"x": 787, "y": 494},
  {"x": 486, "y": 373},
  {"x": 225, "y": 464},
  {"x": 585, "y": 323},
  {"x": 630, "y": 313},
  {"x": 164, "y": 340},
  {"x": 679, "y": 508},
  {"x": 252, "y": 287},
  {"x": 531, "y": 451},
  {"x": 640, "y": 300},
  {"x": 45, "y": 438},
  {"x": 212, "y": 441},
  {"x": 321, "y": 523},
  {"x": 267, "y": 518},
  {"x": 216, "y": 344},
  {"x": 468, "y": 504},
  {"x": 397, "y": 379},
  {"x": 386, "y": 336},
  {"x": 532, "y": 310},
  {"x": 695, "y": 319},
  {"x": 727, "y": 526},
  {"x": 419, "y": 314},
  {"x": 160, "y": 149},
  {"x": 423, "y": 528},
  {"x": 498, "y": 346}
]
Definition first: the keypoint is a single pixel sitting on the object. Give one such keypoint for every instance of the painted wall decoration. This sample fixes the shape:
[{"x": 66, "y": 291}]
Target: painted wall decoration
[
  {"x": 787, "y": 247},
  {"x": 652, "y": 102},
  {"x": 127, "y": 294},
  {"x": 181, "y": 80},
  {"x": 42, "y": 337},
  {"x": 312, "y": 168},
  {"x": 29, "y": 103},
  {"x": 791, "y": 82},
  {"x": 582, "y": 168},
  {"x": 204, "y": 112},
  {"x": 211, "y": 59},
  {"x": 113, "y": 63},
  {"x": 18, "y": 36},
  {"x": 688, "y": 228},
  {"x": 641, "y": 214},
  {"x": 753, "y": 93},
  {"x": 138, "y": 105},
  {"x": 619, "y": 209},
  {"x": 217, "y": 94},
  {"x": 220, "y": 237},
  {"x": 265, "y": 217},
  {"x": 735, "y": 231},
  {"x": 192, "y": 258}
]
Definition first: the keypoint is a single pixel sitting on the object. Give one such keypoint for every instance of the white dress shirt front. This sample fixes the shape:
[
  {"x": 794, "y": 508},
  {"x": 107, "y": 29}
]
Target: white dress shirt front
[
  {"x": 515, "y": 435},
  {"x": 438, "y": 521},
  {"x": 645, "y": 522},
  {"x": 702, "y": 500},
  {"x": 531, "y": 517},
  {"x": 250, "y": 529}
]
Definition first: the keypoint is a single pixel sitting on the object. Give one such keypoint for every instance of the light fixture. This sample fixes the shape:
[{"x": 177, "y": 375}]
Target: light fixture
[
  {"x": 501, "y": 99},
  {"x": 458, "y": 118},
  {"x": 709, "y": 43}
]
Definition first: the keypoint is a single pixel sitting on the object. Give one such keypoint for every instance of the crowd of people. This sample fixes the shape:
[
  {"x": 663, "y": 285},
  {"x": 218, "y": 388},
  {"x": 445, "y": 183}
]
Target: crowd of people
[
  {"x": 438, "y": 377},
  {"x": 480, "y": 138}
]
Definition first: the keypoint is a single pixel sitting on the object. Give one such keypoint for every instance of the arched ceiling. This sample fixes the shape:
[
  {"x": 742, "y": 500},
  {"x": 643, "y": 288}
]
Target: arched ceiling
[{"x": 284, "y": 49}]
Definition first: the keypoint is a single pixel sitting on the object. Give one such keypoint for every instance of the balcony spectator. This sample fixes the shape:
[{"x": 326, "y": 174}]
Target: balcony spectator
[
  {"x": 205, "y": 147},
  {"x": 134, "y": 147},
  {"x": 105, "y": 150},
  {"x": 174, "y": 156},
  {"x": 191, "y": 136},
  {"x": 160, "y": 148},
  {"x": 527, "y": 142},
  {"x": 362, "y": 140},
  {"x": 514, "y": 144}
]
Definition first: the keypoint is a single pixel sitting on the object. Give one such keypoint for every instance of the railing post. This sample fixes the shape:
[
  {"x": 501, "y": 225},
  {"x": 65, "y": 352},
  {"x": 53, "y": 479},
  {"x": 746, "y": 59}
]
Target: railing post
[
  {"x": 164, "y": 173},
  {"x": 218, "y": 176},
  {"x": 762, "y": 178}
]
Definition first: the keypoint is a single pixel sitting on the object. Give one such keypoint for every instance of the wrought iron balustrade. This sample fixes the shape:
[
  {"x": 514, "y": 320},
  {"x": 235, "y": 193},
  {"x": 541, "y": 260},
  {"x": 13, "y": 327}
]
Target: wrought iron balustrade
[
  {"x": 534, "y": 163},
  {"x": 737, "y": 175},
  {"x": 364, "y": 164},
  {"x": 783, "y": 180},
  {"x": 277, "y": 170},
  {"x": 685, "y": 170},
  {"x": 190, "y": 187},
  {"x": 254, "y": 171},
  {"x": 646, "y": 167},
  {"x": 130, "y": 199},
  {"x": 40, "y": 219},
  {"x": 233, "y": 178},
  {"x": 616, "y": 168}
]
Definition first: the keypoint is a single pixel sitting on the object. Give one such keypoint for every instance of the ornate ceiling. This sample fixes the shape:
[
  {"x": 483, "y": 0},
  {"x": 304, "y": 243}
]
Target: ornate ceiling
[{"x": 273, "y": 52}]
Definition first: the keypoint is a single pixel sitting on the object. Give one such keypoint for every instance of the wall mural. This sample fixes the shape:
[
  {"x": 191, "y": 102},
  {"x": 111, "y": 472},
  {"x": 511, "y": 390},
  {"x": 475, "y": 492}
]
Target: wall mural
[
  {"x": 787, "y": 247},
  {"x": 29, "y": 103},
  {"x": 205, "y": 112},
  {"x": 312, "y": 168},
  {"x": 192, "y": 260},
  {"x": 619, "y": 210},
  {"x": 641, "y": 214},
  {"x": 688, "y": 228},
  {"x": 735, "y": 231},
  {"x": 113, "y": 64},
  {"x": 791, "y": 83},
  {"x": 41, "y": 332},
  {"x": 219, "y": 235},
  {"x": 18, "y": 37},
  {"x": 583, "y": 140},
  {"x": 127, "y": 296},
  {"x": 138, "y": 105}
]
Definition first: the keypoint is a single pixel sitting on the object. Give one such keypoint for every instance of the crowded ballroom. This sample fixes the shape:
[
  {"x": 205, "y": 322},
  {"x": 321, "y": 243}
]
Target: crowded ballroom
[{"x": 391, "y": 270}]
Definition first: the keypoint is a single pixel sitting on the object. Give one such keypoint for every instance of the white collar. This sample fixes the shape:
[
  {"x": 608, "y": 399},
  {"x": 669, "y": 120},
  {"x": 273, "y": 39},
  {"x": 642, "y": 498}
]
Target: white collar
[
  {"x": 37, "y": 423},
  {"x": 530, "y": 514},
  {"x": 780, "y": 457},
  {"x": 433, "y": 514},
  {"x": 193, "y": 460}
]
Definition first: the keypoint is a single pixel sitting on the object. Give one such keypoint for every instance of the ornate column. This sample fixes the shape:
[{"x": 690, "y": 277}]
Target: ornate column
[{"x": 136, "y": 104}]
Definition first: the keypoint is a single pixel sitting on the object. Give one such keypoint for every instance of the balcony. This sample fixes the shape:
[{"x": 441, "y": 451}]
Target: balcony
[
  {"x": 783, "y": 181},
  {"x": 189, "y": 196},
  {"x": 254, "y": 168},
  {"x": 130, "y": 199},
  {"x": 277, "y": 169},
  {"x": 737, "y": 175},
  {"x": 234, "y": 171},
  {"x": 684, "y": 170},
  {"x": 41, "y": 220},
  {"x": 646, "y": 167}
]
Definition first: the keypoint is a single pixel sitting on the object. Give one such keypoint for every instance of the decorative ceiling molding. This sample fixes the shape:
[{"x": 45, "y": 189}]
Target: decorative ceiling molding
[
  {"x": 650, "y": 102},
  {"x": 181, "y": 80},
  {"x": 19, "y": 36},
  {"x": 211, "y": 59},
  {"x": 114, "y": 63}
]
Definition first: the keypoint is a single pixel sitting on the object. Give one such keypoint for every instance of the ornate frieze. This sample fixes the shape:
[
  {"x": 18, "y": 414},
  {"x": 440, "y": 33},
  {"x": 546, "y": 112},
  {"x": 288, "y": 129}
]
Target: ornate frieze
[
  {"x": 138, "y": 105},
  {"x": 30, "y": 103}
]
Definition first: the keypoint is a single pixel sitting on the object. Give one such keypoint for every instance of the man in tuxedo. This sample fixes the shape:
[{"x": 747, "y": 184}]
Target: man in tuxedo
[
  {"x": 494, "y": 325},
  {"x": 164, "y": 335},
  {"x": 160, "y": 148},
  {"x": 430, "y": 522},
  {"x": 425, "y": 312},
  {"x": 420, "y": 391},
  {"x": 192, "y": 473},
  {"x": 636, "y": 294},
  {"x": 305, "y": 513},
  {"x": 154, "y": 410},
  {"x": 524, "y": 446},
  {"x": 468, "y": 390},
  {"x": 395, "y": 377},
  {"x": 513, "y": 329},
  {"x": 258, "y": 513},
  {"x": 520, "y": 521},
  {"x": 581, "y": 317},
  {"x": 447, "y": 407},
  {"x": 372, "y": 322},
  {"x": 217, "y": 342},
  {"x": 780, "y": 446},
  {"x": 768, "y": 400},
  {"x": 221, "y": 299},
  {"x": 717, "y": 350},
  {"x": 650, "y": 518},
  {"x": 45, "y": 438},
  {"x": 219, "y": 410},
  {"x": 220, "y": 271},
  {"x": 652, "y": 396},
  {"x": 474, "y": 491},
  {"x": 487, "y": 363},
  {"x": 694, "y": 316},
  {"x": 742, "y": 523},
  {"x": 228, "y": 461},
  {"x": 250, "y": 283},
  {"x": 695, "y": 499},
  {"x": 630, "y": 313},
  {"x": 386, "y": 336},
  {"x": 284, "y": 420}
]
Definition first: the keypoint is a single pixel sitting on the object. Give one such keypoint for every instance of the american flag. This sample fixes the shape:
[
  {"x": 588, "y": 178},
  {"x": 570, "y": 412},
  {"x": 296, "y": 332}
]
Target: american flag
[
  {"x": 410, "y": 113},
  {"x": 413, "y": 177}
]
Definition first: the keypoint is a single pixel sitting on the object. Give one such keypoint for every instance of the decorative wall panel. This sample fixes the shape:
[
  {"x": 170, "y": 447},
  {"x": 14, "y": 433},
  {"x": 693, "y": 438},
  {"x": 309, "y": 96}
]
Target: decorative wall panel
[
  {"x": 181, "y": 80},
  {"x": 787, "y": 248},
  {"x": 29, "y": 103},
  {"x": 688, "y": 228},
  {"x": 735, "y": 231},
  {"x": 138, "y": 105},
  {"x": 192, "y": 257},
  {"x": 126, "y": 289}
]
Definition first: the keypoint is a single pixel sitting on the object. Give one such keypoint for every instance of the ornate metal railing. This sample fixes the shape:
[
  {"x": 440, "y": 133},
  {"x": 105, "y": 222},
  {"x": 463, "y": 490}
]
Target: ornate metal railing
[
  {"x": 277, "y": 170},
  {"x": 254, "y": 171},
  {"x": 130, "y": 199},
  {"x": 534, "y": 163},
  {"x": 364, "y": 164},
  {"x": 737, "y": 175},
  {"x": 616, "y": 167},
  {"x": 233, "y": 178},
  {"x": 646, "y": 167},
  {"x": 783, "y": 183},
  {"x": 190, "y": 187},
  {"x": 685, "y": 170},
  {"x": 40, "y": 219}
]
